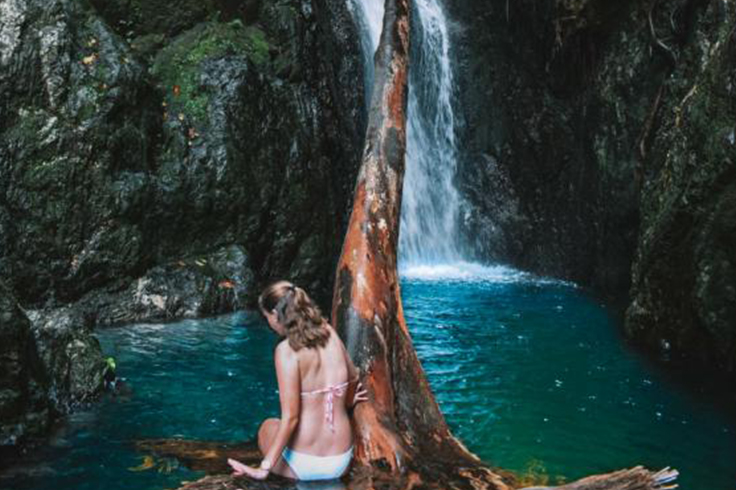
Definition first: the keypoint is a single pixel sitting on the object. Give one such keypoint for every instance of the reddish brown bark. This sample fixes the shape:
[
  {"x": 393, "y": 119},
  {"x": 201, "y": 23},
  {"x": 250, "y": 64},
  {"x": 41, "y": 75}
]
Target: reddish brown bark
[{"x": 402, "y": 439}]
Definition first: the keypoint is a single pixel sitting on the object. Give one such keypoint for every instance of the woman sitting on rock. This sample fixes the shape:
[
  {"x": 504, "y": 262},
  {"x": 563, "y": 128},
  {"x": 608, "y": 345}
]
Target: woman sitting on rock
[{"x": 313, "y": 439}]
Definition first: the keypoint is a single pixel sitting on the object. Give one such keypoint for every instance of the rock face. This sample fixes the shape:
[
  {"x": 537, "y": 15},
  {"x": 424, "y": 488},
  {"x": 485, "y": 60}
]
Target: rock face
[
  {"x": 24, "y": 405},
  {"x": 161, "y": 160},
  {"x": 190, "y": 287},
  {"x": 123, "y": 148},
  {"x": 70, "y": 355},
  {"x": 684, "y": 275},
  {"x": 599, "y": 147},
  {"x": 51, "y": 363}
]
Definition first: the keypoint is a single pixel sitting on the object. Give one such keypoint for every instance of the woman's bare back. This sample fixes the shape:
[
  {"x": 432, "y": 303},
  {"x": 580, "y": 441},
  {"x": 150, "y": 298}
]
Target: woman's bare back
[{"x": 324, "y": 426}]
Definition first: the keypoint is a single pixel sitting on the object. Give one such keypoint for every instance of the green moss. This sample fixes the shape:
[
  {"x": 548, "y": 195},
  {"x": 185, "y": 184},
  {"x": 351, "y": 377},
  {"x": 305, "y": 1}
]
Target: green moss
[
  {"x": 258, "y": 45},
  {"x": 178, "y": 65}
]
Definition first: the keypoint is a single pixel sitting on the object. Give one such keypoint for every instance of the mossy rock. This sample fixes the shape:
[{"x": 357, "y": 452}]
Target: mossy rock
[{"x": 177, "y": 67}]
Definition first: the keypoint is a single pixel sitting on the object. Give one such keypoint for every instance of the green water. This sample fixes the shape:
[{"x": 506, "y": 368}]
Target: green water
[{"x": 531, "y": 374}]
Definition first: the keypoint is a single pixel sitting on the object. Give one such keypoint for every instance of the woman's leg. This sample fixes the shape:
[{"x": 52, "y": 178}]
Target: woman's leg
[{"x": 266, "y": 434}]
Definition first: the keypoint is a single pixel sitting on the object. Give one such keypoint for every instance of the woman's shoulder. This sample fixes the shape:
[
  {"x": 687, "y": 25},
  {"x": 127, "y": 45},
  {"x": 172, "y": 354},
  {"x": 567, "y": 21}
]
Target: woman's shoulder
[
  {"x": 332, "y": 330},
  {"x": 334, "y": 336},
  {"x": 284, "y": 351}
]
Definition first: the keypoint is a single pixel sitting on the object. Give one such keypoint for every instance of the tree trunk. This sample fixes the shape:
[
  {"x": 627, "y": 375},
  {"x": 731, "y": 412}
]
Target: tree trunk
[
  {"x": 402, "y": 425},
  {"x": 402, "y": 439}
]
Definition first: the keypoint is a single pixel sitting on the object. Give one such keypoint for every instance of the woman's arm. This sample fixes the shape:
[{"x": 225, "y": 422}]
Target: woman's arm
[{"x": 287, "y": 372}]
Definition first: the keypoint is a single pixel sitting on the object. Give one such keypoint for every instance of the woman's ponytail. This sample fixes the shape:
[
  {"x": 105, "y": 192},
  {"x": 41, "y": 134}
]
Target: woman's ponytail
[{"x": 301, "y": 317}]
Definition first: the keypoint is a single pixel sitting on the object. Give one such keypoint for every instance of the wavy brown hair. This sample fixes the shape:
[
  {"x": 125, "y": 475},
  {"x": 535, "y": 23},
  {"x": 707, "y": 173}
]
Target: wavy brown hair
[{"x": 301, "y": 317}]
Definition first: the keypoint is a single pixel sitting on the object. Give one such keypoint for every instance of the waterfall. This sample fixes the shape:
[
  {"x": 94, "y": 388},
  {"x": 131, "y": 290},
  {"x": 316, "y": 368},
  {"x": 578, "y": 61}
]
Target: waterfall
[{"x": 430, "y": 204}]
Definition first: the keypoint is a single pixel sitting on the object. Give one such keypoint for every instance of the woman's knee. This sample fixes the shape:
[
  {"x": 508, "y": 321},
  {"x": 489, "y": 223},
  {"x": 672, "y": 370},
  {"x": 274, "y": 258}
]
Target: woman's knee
[{"x": 266, "y": 433}]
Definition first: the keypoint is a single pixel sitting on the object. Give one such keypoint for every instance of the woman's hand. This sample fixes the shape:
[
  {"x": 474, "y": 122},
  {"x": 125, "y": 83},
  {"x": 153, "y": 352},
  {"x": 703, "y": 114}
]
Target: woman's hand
[
  {"x": 241, "y": 469},
  {"x": 361, "y": 394}
]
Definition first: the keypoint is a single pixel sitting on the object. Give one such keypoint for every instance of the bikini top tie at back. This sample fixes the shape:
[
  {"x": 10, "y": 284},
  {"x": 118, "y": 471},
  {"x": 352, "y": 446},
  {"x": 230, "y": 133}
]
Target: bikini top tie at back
[{"x": 332, "y": 391}]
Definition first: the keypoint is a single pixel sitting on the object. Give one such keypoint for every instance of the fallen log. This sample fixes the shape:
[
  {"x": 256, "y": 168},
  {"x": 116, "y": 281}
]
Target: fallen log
[
  {"x": 402, "y": 438},
  {"x": 208, "y": 456}
]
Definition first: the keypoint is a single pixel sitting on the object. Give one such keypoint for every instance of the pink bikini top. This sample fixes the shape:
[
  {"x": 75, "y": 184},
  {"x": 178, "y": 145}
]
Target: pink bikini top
[{"x": 332, "y": 391}]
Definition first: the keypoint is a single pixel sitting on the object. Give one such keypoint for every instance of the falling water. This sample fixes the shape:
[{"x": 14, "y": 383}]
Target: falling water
[{"x": 431, "y": 203}]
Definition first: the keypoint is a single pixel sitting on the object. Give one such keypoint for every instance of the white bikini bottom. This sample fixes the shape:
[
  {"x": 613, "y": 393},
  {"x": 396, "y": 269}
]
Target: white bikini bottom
[{"x": 311, "y": 467}]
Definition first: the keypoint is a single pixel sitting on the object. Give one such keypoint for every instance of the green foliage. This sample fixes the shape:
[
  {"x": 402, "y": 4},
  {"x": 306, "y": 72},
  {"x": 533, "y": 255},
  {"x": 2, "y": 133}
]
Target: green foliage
[{"x": 177, "y": 66}]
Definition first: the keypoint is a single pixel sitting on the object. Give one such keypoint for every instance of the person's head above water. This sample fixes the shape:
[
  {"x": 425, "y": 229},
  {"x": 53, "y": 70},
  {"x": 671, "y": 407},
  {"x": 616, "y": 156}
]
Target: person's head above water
[{"x": 291, "y": 313}]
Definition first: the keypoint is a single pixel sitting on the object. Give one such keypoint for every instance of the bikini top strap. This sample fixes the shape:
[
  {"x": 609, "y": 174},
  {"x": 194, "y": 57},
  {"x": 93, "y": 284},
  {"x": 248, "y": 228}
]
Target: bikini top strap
[
  {"x": 332, "y": 391},
  {"x": 340, "y": 387}
]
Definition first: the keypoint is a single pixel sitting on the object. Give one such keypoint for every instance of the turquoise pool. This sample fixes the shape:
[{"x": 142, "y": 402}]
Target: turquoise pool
[{"x": 531, "y": 374}]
